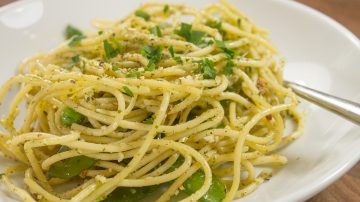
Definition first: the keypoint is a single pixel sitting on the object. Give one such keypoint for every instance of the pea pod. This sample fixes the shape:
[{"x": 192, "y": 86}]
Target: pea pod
[
  {"x": 216, "y": 192},
  {"x": 135, "y": 194},
  {"x": 130, "y": 194},
  {"x": 179, "y": 161},
  {"x": 70, "y": 116},
  {"x": 71, "y": 167}
]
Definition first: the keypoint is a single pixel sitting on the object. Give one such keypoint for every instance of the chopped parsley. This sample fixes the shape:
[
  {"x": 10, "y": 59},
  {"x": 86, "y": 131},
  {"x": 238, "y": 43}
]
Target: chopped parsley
[
  {"x": 75, "y": 41},
  {"x": 75, "y": 59},
  {"x": 156, "y": 31},
  {"x": 1, "y": 175},
  {"x": 190, "y": 35},
  {"x": 127, "y": 91},
  {"x": 172, "y": 53},
  {"x": 206, "y": 67},
  {"x": 112, "y": 48},
  {"x": 153, "y": 54},
  {"x": 115, "y": 67},
  {"x": 238, "y": 22},
  {"x": 142, "y": 14},
  {"x": 71, "y": 31},
  {"x": 166, "y": 8},
  {"x": 74, "y": 34},
  {"x": 228, "y": 69},
  {"x": 100, "y": 32},
  {"x": 171, "y": 50},
  {"x": 228, "y": 52},
  {"x": 133, "y": 74}
]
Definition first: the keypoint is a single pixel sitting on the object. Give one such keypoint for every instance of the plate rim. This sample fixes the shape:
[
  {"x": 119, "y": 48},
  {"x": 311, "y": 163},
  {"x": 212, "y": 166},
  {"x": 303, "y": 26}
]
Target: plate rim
[{"x": 325, "y": 180}]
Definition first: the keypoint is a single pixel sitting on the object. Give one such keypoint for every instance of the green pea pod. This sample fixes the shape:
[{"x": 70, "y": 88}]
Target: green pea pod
[
  {"x": 216, "y": 192},
  {"x": 71, "y": 167},
  {"x": 179, "y": 161},
  {"x": 130, "y": 194},
  {"x": 70, "y": 116}
]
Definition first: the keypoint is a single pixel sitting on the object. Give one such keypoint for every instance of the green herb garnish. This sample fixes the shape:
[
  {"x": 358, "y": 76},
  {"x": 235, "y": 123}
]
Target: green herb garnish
[
  {"x": 75, "y": 41},
  {"x": 166, "y": 8},
  {"x": 156, "y": 31},
  {"x": 228, "y": 69},
  {"x": 142, "y": 14},
  {"x": 71, "y": 31},
  {"x": 127, "y": 91},
  {"x": 115, "y": 67},
  {"x": 133, "y": 74},
  {"x": 228, "y": 52},
  {"x": 74, "y": 61},
  {"x": 206, "y": 67},
  {"x": 153, "y": 54},
  {"x": 151, "y": 67},
  {"x": 238, "y": 22},
  {"x": 190, "y": 35},
  {"x": 172, "y": 53},
  {"x": 112, "y": 48}
]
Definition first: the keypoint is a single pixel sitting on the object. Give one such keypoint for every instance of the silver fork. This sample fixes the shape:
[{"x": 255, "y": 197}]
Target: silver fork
[{"x": 345, "y": 108}]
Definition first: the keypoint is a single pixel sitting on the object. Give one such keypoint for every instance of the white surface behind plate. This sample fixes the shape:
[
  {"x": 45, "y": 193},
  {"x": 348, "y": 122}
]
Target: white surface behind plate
[{"x": 319, "y": 52}]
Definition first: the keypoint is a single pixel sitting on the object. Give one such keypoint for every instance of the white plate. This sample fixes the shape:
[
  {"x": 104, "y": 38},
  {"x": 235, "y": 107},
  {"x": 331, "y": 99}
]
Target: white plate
[{"x": 320, "y": 53}]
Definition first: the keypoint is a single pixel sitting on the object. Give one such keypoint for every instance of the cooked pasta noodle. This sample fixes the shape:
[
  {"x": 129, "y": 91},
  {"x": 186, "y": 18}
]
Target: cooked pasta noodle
[{"x": 150, "y": 100}]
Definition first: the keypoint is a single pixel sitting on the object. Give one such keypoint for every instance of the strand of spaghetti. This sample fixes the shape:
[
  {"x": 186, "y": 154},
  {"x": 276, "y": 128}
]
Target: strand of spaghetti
[
  {"x": 6, "y": 150},
  {"x": 13, "y": 109},
  {"x": 72, "y": 192},
  {"x": 185, "y": 103},
  {"x": 109, "y": 165},
  {"x": 299, "y": 129},
  {"x": 21, "y": 193},
  {"x": 177, "y": 183},
  {"x": 240, "y": 142},
  {"x": 235, "y": 97},
  {"x": 84, "y": 192},
  {"x": 111, "y": 184},
  {"x": 138, "y": 111},
  {"x": 164, "y": 167},
  {"x": 221, "y": 88},
  {"x": 36, "y": 188},
  {"x": 58, "y": 157},
  {"x": 36, "y": 167},
  {"x": 142, "y": 171}
]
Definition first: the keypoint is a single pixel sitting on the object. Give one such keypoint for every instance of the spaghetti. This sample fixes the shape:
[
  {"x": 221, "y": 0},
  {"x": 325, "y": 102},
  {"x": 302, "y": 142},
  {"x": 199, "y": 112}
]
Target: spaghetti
[{"x": 168, "y": 96}]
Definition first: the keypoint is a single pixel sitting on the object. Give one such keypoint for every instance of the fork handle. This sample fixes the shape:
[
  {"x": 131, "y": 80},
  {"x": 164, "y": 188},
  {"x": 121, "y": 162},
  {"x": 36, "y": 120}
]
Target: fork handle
[{"x": 345, "y": 108}]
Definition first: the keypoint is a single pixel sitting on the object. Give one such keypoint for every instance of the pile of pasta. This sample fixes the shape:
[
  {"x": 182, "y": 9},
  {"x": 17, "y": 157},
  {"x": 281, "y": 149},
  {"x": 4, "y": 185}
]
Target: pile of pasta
[{"x": 170, "y": 96}]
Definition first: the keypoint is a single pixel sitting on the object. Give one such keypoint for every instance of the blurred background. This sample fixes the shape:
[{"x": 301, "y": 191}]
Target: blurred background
[{"x": 347, "y": 12}]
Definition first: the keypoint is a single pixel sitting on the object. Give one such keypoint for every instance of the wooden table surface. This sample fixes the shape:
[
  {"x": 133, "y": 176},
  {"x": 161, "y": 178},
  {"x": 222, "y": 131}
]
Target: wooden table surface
[{"x": 347, "y": 12}]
